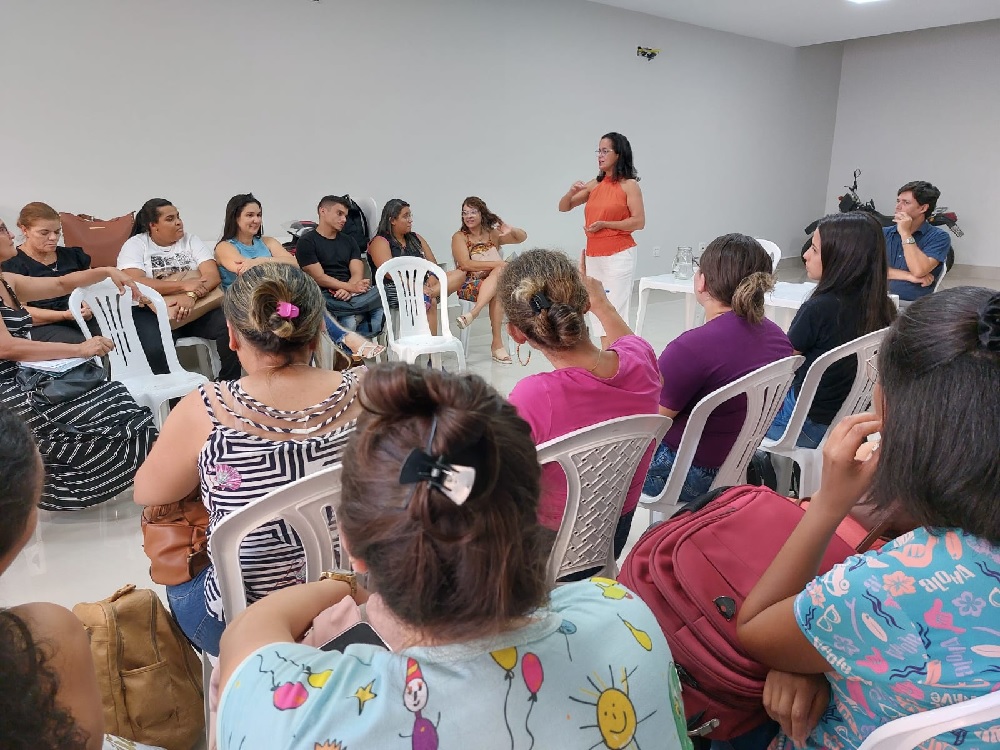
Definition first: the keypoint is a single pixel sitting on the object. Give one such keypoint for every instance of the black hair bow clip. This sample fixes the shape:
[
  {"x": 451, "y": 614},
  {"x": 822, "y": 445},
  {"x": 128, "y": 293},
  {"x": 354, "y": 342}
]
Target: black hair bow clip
[
  {"x": 453, "y": 481},
  {"x": 540, "y": 302}
]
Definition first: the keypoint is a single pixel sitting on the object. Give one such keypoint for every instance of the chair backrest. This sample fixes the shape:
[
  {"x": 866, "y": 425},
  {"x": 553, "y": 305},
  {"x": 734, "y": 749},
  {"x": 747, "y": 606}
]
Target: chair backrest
[
  {"x": 858, "y": 399},
  {"x": 369, "y": 208},
  {"x": 765, "y": 389},
  {"x": 408, "y": 274},
  {"x": 773, "y": 250},
  {"x": 600, "y": 462},
  {"x": 916, "y": 729},
  {"x": 303, "y": 506},
  {"x": 113, "y": 313},
  {"x": 944, "y": 271}
]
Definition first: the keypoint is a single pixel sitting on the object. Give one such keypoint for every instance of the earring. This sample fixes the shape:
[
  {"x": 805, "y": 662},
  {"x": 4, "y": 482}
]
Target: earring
[{"x": 522, "y": 362}]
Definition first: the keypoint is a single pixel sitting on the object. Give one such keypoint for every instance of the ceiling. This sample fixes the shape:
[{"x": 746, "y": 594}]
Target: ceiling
[{"x": 798, "y": 23}]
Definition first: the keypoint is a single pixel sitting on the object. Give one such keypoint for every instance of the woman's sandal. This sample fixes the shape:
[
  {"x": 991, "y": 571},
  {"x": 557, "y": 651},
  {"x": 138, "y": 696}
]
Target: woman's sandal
[
  {"x": 463, "y": 321},
  {"x": 369, "y": 350},
  {"x": 505, "y": 359}
]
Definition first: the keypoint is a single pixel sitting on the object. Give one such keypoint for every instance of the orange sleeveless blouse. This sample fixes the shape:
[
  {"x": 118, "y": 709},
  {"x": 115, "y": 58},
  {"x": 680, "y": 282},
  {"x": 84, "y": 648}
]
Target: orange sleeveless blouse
[{"x": 607, "y": 202}]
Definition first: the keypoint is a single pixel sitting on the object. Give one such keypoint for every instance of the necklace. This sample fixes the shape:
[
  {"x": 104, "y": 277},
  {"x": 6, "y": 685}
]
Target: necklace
[{"x": 598, "y": 362}]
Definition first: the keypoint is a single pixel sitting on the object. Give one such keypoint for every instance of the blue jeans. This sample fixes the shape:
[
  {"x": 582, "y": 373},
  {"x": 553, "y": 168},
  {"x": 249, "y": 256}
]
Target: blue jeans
[
  {"x": 334, "y": 330},
  {"x": 812, "y": 432},
  {"x": 190, "y": 609},
  {"x": 697, "y": 482}
]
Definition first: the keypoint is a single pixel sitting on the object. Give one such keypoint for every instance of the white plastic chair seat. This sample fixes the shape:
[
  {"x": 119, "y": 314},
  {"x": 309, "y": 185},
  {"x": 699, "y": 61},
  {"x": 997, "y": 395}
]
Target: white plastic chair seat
[
  {"x": 599, "y": 462},
  {"x": 765, "y": 389},
  {"x": 810, "y": 460},
  {"x": 408, "y": 333},
  {"x": 772, "y": 249},
  {"x": 912, "y": 731},
  {"x": 208, "y": 355},
  {"x": 129, "y": 366}
]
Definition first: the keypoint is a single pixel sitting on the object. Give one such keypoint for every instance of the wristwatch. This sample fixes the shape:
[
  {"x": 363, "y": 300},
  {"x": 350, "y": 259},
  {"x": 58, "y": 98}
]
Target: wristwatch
[
  {"x": 192, "y": 295},
  {"x": 346, "y": 576},
  {"x": 909, "y": 241}
]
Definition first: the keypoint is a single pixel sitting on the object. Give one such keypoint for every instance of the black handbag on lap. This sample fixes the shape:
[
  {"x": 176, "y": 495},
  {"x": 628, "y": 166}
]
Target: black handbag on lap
[{"x": 47, "y": 388}]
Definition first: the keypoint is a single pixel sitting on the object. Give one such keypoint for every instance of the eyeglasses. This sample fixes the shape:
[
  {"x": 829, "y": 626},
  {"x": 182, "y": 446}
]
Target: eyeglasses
[
  {"x": 872, "y": 368},
  {"x": 469, "y": 214},
  {"x": 604, "y": 151}
]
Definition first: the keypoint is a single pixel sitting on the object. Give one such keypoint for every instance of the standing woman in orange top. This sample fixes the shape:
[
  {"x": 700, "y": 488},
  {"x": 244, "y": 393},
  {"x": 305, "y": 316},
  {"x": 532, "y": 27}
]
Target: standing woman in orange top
[{"x": 613, "y": 211}]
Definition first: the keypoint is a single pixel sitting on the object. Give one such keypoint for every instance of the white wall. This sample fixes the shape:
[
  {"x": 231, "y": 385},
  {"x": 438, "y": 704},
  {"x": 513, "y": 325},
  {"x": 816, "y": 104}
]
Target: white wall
[
  {"x": 926, "y": 106},
  {"x": 110, "y": 102}
]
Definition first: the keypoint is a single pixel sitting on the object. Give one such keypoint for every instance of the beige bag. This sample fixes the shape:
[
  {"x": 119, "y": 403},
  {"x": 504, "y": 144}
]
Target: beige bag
[
  {"x": 150, "y": 677},
  {"x": 209, "y": 302},
  {"x": 101, "y": 240}
]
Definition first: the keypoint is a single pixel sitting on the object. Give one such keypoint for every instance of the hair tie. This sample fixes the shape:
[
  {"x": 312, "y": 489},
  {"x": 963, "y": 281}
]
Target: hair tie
[
  {"x": 287, "y": 310},
  {"x": 989, "y": 324},
  {"x": 540, "y": 302},
  {"x": 453, "y": 481}
]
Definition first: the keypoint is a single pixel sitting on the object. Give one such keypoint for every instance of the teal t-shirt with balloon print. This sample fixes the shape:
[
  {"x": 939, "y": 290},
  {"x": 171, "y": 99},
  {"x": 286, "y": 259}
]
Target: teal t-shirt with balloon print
[
  {"x": 590, "y": 671},
  {"x": 911, "y": 627}
]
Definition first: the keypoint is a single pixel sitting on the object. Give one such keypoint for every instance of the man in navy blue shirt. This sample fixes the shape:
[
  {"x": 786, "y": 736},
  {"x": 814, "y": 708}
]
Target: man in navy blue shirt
[{"x": 915, "y": 249}]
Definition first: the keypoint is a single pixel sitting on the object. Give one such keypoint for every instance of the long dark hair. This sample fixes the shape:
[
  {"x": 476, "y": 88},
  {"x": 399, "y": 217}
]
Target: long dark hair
[
  {"x": 31, "y": 717},
  {"x": 390, "y": 211},
  {"x": 148, "y": 214},
  {"x": 938, "y": 368},
  {"x": 852, "y": 250},
  {"x": 233, "y": 210},
  {"x": 624, "y": 168},
  {"x": 20, "y": 478}
]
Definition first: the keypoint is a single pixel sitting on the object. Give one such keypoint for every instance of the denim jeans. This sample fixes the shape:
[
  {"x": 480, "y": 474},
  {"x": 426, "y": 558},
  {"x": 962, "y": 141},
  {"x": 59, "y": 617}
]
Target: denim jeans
[
  {"x": 334, "y": 330},
  {"x": 812, "y": 432},
  {"x": 190, "y": 609},
  {"x": 697, "y": 482}
]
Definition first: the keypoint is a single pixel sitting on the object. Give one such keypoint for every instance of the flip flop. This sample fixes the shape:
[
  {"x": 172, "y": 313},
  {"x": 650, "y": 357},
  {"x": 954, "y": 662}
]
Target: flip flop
[
  {"x": 505, "y": 359},
  {"x": 463, "y": 321}
]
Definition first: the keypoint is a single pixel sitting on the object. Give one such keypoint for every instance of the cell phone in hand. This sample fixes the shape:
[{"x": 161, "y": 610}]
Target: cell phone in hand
[{"x": 360, "y": 632}]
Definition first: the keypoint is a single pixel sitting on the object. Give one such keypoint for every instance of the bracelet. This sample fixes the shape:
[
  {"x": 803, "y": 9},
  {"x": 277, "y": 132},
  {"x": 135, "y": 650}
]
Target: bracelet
[
  {"x": 344, "y": 576},
  {"x": 192, "y": 295}
]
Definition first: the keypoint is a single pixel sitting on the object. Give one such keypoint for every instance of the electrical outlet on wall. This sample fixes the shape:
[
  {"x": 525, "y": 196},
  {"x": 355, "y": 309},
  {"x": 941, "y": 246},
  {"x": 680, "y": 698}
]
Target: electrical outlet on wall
[
  {"x": 701, "y": 247},
  {"x": 656, "y": 251}
]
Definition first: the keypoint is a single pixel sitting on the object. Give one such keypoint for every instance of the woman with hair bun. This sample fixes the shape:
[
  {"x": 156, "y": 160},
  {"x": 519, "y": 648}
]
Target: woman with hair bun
[
  {"x": 734, "y": 274},
  {"x": 438, "y": 506},
  {"x": 546, "y": 299},
  {"x": 240, "y": 439},
  {"x": 912, "y": 626}
]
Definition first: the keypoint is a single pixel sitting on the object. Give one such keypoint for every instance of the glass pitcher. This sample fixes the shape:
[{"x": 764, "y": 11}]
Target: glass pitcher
[{"x": 683, "y": 263}]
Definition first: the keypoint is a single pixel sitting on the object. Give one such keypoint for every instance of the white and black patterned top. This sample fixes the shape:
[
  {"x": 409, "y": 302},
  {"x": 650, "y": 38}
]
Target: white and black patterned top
[{"x": 237, "y": 467}]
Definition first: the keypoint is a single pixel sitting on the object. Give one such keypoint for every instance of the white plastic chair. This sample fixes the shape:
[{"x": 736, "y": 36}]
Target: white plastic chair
[
  {"x": 414, "y": 336},
  {"x": 773, "y": 250},
  {"x": 599, "y": 462},
  {"x": 208, "y": 355},
  {"x": 466, "y": 307},
  {"x": 912, "y": 731},
  {"x": 940, "y": 279},
  {"x": 370, "y": 209},
  {"x": 113, "y": 313},
  {"x": 764, "y": 389},
  {"x": 859, "y": 398},
  {"x": 302, "y": 505}
]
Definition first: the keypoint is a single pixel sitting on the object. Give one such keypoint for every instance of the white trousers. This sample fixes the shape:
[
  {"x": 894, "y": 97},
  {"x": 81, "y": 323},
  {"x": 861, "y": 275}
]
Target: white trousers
[{"x": 617, "y": 272}]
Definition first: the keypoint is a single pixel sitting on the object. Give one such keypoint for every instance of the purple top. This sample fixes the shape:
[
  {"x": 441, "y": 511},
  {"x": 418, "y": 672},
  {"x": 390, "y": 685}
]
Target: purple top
[
  {"x": 706, "y": 358},
  {"x": 558, "y": 402}
]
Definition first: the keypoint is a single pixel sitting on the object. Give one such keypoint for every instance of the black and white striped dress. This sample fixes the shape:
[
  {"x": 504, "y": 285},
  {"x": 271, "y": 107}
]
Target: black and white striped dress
[
  {"x": 237, "y": 467},
  {"x": 108, "y": 438}
]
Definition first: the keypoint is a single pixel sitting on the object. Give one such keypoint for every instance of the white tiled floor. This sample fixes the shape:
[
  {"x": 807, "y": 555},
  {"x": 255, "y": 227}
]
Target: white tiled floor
[{"x": 87, "y": 555}]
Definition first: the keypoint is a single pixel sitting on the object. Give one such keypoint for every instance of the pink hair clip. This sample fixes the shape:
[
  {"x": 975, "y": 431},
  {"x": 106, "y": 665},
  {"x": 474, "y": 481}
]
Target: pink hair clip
[{"x": 287, "y": 310}]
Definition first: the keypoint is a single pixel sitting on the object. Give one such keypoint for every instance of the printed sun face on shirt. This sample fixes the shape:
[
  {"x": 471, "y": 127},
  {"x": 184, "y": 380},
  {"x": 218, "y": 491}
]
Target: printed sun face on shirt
[{"x": 617, "y": 719}]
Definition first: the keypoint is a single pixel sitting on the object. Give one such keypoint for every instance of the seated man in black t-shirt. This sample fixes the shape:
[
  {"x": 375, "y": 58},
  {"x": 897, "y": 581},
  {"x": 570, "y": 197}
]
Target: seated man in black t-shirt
[{"x": 334, "y": 260}]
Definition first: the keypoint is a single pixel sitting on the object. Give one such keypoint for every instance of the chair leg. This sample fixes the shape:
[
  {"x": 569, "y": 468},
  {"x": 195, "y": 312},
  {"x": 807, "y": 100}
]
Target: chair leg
[{"x": 783, "y": 471}]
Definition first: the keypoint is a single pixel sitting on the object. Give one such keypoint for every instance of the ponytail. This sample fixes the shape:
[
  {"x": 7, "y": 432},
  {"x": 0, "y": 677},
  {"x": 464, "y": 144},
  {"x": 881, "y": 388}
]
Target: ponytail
[{"x": 748, "y": 298}]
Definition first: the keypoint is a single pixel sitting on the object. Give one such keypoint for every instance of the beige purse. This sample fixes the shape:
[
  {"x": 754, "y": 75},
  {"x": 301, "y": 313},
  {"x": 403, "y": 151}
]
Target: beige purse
[{"x": 206, "y": 304}]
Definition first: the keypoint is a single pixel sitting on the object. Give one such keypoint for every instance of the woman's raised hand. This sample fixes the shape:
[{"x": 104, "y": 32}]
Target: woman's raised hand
[
  {"x": 122, "y": 281},
  {"x": 846, "y": 477},
  {"x": 97, "y": 346}
]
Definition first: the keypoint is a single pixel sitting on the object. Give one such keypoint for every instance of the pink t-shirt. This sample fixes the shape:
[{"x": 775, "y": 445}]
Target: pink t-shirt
[{"x": 558, "y": 402}]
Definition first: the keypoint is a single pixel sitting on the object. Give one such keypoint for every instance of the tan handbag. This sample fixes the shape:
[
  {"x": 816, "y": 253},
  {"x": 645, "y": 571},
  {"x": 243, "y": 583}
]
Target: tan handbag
[
  {"x": 101, "y": 240},
  {"x": 209, "y": 302},
  {"x": 175, "y": 539},
  {"x": 149, "y": 676}
]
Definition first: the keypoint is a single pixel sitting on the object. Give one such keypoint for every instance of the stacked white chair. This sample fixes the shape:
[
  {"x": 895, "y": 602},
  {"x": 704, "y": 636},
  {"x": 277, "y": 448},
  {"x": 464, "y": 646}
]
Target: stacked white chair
[
  {"x": 414, "y": 337},
  {"x": 914, "y": 730},
  {"x": 810, "y": 460},
  {"x": 599, "y": 463},
  {"x": 764, "y": 389},
  {"x": 113, "y": 313}
]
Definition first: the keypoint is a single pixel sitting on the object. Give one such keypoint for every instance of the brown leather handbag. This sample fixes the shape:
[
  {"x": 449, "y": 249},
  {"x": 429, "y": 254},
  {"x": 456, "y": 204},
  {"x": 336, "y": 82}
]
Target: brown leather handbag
[
  {"x": 211, "y": 301},
  {"x": 101, "y": 240},
  {"x": 175, "y": 539}
]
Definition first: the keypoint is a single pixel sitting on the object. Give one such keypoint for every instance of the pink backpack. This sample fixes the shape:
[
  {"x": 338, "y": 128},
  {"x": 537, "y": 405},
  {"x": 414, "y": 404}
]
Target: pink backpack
[{"x": 694, "y": 571}]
